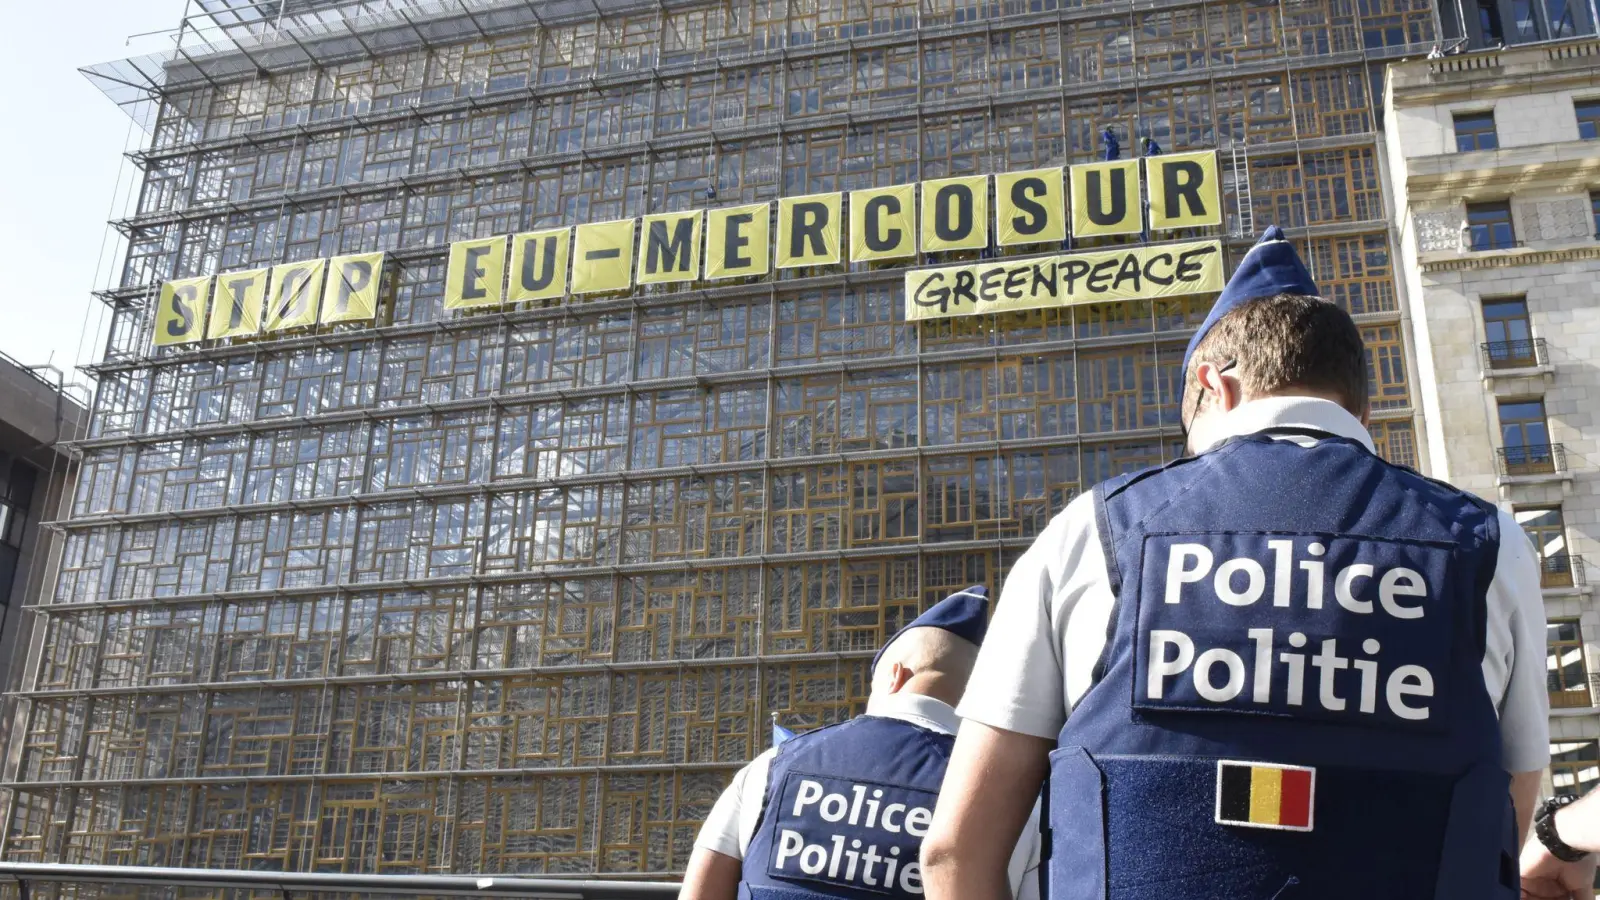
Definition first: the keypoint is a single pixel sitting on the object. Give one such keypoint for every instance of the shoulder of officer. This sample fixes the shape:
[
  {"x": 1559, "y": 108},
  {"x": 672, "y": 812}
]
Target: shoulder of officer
[
  {"x": 1075, "y": 511},
  {"x": 1118, "y": 483},
  {"x": 1063, "y": 529},
  {"x": 1489, "y": 509},
  {"x": 838, "y": 739},
  {"x": 805, "y": 738},
  {"x": 1434, "y": 490},
  {"x": 870, "y": 720}
]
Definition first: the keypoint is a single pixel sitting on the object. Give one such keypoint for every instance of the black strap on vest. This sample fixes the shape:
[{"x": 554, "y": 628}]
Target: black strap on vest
[
  {"x": 1286, "y": 431},
  {"x": 1299, "y": 431}
]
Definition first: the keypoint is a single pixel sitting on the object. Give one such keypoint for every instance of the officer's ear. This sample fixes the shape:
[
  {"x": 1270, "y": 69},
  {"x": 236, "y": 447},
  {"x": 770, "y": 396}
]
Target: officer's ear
[
  {"x": 898, "y": 676},
  {"x": 1228, "y": 392}
]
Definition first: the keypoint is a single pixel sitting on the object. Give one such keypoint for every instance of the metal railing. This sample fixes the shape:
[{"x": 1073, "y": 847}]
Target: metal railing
[
  {"x": 1532, "y": 459},
  {"x": 31, "y": 371},
  {"x": 32, "y": 880},
  {"x": 1515, "y": 354},
  {"x": 1561, "y": 570}
]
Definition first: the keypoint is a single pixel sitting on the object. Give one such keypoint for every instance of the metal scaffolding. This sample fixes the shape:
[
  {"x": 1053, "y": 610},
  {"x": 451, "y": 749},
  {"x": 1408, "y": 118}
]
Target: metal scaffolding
[
  {"x": 518, "y": 591},
  {"x": 37, "y": 881}
]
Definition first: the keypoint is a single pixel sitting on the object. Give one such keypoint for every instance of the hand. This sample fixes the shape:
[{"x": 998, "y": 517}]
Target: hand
[{"x": 1546, "y": 878}]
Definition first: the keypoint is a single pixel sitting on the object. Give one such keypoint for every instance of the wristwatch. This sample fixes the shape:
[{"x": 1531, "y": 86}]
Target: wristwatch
[{"x": 1544, "y": 827}]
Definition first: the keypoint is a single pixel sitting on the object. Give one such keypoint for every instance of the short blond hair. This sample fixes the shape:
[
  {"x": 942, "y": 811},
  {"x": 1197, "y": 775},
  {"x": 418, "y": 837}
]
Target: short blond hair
[{"x": 932, "y": 651}]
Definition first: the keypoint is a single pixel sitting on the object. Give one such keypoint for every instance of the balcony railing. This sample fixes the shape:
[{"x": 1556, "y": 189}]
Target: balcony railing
[
  {"x": 1532, "y": 459},
  {"x": 1566, "y": 697},
  {"x": 1515, "y": 354},
  {"x": 1560, "y": 570}
]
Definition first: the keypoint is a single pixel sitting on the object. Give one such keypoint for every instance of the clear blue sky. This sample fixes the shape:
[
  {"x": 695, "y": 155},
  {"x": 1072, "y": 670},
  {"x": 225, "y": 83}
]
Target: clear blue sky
[{"x": 59, "y": 160}]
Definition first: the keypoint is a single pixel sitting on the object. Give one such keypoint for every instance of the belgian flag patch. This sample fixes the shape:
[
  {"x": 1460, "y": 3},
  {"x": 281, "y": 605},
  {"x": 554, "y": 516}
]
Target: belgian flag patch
[{"x": 1265, "y": 795}]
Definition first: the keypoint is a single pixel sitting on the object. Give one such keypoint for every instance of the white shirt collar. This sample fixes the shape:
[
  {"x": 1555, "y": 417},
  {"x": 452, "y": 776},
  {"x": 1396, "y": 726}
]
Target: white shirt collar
[
  {"x": 1288, "y": 412},
  {"x": 918, "y": 709}
]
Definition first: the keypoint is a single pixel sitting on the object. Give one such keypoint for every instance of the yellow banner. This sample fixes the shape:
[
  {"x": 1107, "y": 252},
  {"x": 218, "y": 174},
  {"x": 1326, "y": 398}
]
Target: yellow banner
[
  {"x": 1123, "y": 274},
  {"x": 295, "y": 295},
  {"x": 1030, "y": 207},
  {"x": 1033, "y": 207},
  {"x": 236, "y": 304},
  {"x": 883, "y": 223},
  {"x": 1105, "y": 198},
  {"x": 539, "y": 265},
  {"x": 1185, "y": 190},
  {"x": 181, "y": 311},
  {"x": 603, "y": 260},
  {"x": 809, "y": 230},
  {"x": 737, "y": 241},
  {"x": 955, "y": 213},
  {"x": 475, "y": 274},
  {"x": 670, "y": 248},
  {"x": 353, "y": 288}
]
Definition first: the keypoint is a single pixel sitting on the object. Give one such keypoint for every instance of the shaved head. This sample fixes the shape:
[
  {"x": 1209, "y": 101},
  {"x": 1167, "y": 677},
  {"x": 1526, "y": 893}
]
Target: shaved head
[{"x": 937, "y": 662}]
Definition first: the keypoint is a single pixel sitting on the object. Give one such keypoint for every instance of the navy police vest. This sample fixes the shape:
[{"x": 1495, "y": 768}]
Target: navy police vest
[
  {"x": 1290, "y": 705},
  {"x": 845, "y": 813}
]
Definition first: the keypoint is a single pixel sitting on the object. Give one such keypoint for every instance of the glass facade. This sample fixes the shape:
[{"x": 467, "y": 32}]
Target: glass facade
[{"x": 518, "y": 591}]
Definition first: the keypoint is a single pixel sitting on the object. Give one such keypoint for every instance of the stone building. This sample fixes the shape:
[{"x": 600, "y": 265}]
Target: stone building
[{"x": 1493, "y": 160}]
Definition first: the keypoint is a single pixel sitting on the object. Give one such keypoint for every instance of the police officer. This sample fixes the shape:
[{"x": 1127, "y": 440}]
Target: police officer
[
  {"x": 841, "y": 811},
  {"x": 1279, "y": 668}
]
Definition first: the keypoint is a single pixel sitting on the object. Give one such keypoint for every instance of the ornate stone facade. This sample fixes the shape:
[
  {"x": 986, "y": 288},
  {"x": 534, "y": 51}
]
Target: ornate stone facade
[
  {"x": 1561, "y": 218},
  {"x": 1439, "y": 230}
]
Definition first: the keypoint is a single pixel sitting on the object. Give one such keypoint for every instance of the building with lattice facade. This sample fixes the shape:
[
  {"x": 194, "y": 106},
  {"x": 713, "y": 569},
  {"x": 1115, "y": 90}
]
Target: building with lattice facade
[{"x": 518, "y": 590}]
